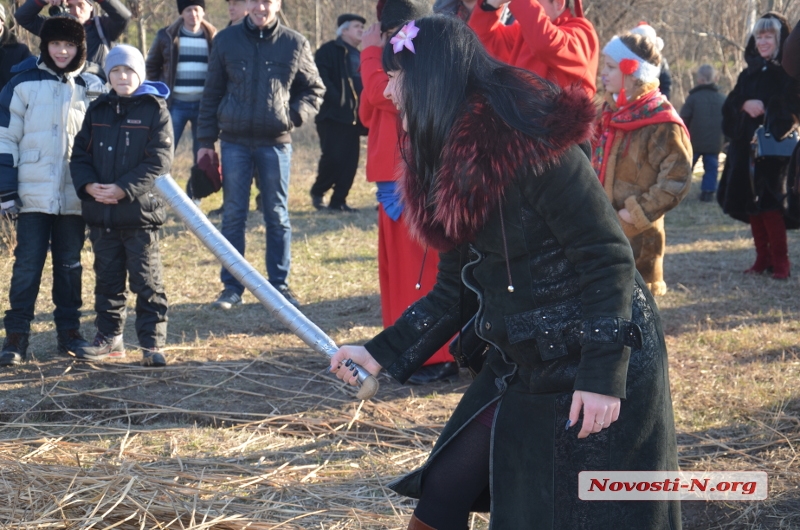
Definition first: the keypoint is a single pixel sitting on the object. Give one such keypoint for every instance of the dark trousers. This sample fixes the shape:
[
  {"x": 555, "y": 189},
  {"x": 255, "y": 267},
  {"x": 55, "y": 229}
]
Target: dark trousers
[
  {"x": 340, "y": 145},
  {"x": 64, "y": 236},
  {"x": 134, "y": 253}
]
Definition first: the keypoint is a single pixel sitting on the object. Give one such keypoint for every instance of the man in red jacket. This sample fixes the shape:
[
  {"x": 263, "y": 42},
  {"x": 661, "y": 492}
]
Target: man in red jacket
[{"x": 545, "y": 38}]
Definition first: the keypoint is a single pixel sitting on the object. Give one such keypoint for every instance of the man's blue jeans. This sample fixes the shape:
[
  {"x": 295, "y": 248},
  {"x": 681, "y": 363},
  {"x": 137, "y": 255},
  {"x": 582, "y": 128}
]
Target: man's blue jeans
[
  {"x": 181, "y": 113},
  {"x": 273, "y": 163},
  {"x": 64, "y": 236},
  {"x": 710, "y": 167}
]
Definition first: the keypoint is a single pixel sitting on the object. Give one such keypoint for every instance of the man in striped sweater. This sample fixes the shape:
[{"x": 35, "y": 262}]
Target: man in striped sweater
[{"x": 179, "y": 58}]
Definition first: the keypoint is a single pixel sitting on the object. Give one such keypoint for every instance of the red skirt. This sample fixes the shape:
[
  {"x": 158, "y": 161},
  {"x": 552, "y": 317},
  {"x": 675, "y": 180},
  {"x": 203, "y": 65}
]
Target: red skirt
[{"x": 400, "y": 262}]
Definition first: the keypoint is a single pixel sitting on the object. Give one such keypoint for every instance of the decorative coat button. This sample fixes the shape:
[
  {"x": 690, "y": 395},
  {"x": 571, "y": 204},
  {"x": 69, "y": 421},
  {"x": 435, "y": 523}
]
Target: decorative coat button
[{"x": 487, "y": 325}]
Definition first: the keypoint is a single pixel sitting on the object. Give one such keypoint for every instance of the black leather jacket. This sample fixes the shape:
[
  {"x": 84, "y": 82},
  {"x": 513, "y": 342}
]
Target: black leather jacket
[{"x": 261, "y": 84}]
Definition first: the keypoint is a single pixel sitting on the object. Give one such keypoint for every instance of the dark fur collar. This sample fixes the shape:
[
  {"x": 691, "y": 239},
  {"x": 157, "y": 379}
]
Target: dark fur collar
[{"x": 482, "y": 156}]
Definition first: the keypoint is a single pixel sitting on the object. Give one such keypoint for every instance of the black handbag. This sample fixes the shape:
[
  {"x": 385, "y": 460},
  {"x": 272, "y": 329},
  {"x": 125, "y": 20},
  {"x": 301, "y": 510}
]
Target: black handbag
[{"x": 766, "y": 145}]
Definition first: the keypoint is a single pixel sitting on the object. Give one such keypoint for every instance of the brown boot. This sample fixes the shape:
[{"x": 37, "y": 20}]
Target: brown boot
[{"x": 416, "y": 524}]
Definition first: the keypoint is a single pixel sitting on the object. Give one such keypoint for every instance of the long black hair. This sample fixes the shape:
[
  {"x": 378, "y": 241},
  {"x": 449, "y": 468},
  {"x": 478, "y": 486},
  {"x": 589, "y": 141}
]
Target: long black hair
[{"x": 448, "y": 68}]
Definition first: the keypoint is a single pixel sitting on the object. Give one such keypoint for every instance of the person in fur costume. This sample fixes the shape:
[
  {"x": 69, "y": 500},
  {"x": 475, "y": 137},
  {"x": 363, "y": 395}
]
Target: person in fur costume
[
  {"x": 530, "y": 248},
  {"x": 642, "y": 154},
  {"x": 763, "y": 91}
]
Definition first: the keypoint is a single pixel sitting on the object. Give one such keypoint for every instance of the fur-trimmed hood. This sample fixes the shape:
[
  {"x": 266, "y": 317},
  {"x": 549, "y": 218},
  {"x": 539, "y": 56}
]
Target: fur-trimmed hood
[
  {"x": 754, "y": 61},
  {"x": 481, "y": 158}
]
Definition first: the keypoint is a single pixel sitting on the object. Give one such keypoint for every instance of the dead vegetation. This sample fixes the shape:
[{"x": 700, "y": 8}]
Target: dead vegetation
[{"x": 244, "y": 429}]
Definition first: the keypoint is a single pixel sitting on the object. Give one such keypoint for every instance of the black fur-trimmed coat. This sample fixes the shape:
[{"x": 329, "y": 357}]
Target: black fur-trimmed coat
[
  {"x": 534, "y": 215},
  {"x": 765, "y": 81}
]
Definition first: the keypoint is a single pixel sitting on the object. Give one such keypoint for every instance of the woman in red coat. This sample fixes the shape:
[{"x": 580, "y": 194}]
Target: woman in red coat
[{"x": 407, "y": 271}]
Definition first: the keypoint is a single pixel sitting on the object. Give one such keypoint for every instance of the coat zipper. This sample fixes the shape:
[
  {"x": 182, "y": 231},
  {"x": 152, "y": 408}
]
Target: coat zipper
[
  {"x": 350, "y": 82},
  {"x": 127, "y": 144}
]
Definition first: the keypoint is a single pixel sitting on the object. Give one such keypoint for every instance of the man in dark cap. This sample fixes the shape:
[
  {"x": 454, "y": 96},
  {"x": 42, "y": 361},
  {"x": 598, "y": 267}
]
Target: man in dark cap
[
  {"x": 179, "y": 59},
  {"x": 101, "y": 30},
  {"x": 339, "y": 128}
]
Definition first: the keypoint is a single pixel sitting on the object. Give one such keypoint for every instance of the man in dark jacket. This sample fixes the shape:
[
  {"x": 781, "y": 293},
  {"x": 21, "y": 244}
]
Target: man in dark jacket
[
  {"x": 338, "y": 125},
  {"x": 12, "y": 52},
  {"x": 179, "y": 59},
  {"x": 702, "y": 114},
  {"x": 101, "y": 31},
  {"x": 262, "y": 83}
]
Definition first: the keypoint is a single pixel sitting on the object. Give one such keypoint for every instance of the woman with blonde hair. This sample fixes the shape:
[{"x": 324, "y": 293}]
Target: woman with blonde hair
[{"x": 754, "y": 190}]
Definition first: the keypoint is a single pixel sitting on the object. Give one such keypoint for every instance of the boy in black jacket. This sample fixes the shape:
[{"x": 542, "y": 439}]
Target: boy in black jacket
[{"x": 124, "y": 144}]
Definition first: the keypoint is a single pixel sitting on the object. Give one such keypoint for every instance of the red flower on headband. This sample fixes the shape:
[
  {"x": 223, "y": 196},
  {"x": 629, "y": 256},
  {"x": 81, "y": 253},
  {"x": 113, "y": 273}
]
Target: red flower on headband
[{"x": 628, "y": 66}]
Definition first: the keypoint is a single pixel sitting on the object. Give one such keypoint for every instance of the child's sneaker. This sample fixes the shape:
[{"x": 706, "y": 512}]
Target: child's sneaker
[
  {"x": 103, "y": 347},
  {"x": 154, "y": 358}
]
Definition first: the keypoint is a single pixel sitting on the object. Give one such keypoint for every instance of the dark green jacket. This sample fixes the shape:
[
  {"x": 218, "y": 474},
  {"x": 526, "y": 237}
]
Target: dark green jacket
[
  {"x": 567, "y": 325},
  {"x": 702, "y": 114}
]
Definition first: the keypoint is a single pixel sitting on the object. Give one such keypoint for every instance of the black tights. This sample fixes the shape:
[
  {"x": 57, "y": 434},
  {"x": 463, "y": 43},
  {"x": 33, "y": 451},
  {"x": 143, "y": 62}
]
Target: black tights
[{"x": 458, "y": 476}]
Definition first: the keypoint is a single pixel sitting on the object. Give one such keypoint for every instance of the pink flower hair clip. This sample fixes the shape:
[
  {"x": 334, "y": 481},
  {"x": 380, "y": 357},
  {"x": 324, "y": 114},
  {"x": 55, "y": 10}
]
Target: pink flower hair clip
[{"x": 404, "y": 38}]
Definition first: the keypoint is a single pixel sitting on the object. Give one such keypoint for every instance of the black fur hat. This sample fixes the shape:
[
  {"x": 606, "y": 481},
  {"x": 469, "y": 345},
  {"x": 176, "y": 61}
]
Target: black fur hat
[
  {"x": 66, "y": 28},
  {"x": 395, "y": 13}
]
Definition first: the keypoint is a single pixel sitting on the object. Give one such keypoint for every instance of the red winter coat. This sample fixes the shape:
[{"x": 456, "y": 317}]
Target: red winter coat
[
  {"x": 380, "y": 116},
  {"x": 564, "y": 51}
]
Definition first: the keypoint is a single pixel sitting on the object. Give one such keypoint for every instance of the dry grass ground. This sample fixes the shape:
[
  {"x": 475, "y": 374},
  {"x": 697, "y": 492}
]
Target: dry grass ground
[{"x": 245, "y": 429}]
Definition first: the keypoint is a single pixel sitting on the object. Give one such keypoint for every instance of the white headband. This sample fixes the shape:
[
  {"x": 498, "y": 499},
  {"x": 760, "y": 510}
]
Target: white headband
[{"x": 617, "y": 50}]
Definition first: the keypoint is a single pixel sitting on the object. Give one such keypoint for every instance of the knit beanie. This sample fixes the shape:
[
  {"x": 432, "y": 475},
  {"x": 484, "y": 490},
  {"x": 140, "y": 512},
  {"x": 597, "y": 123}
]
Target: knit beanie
[
  {"x": 66, "y": 28},
  {"x": 183, "y": 4},
  {"x": 395, "y": 13},
  {"x": 125, "y": 55}
]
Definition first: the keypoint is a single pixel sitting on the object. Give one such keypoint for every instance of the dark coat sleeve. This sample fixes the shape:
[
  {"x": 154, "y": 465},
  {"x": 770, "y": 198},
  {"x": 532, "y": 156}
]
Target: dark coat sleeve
[
  {"x": 732, "y": 109},
  {"x": 427, "y": 324},
  {"x": 81, "y": 165},
  {"x": 307, "y": 88},
  {"x": 116, "y": 21},
  {"x": 157, "y": 159},
  {"x": 665, "y": 80},
  {"x": 213, "y": 91},
  {"x": 583, "y": 221},
  {"x": 28, "y": 16},
  {"x": 791, "y": 53},
  {"x": 325, "y": 59},
  {"x": 154, "y": 63}
]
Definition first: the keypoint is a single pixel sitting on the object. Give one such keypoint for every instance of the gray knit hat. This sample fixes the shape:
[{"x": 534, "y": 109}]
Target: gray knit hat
[{"x": 125, "y": 55}]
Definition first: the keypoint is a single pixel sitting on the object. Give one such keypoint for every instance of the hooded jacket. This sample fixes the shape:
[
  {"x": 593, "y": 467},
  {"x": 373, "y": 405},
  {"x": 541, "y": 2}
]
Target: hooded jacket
[
  {"x": 261, "y": 84},
  {"x": 766, "y": 81},
  {"x": 507, "y": 208},
  {"x": 564, "y": 51},
  {"x": 125, "y": 141},
  {"x": 40, "y": 114}
]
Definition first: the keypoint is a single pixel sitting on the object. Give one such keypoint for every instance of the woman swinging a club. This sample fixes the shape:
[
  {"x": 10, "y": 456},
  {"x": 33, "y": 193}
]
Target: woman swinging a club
[{"x": 531, "y": 248}]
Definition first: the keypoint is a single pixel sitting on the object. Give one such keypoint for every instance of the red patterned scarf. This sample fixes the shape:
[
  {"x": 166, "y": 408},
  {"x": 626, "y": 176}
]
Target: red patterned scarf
[{"x": 651, "y": 108}]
